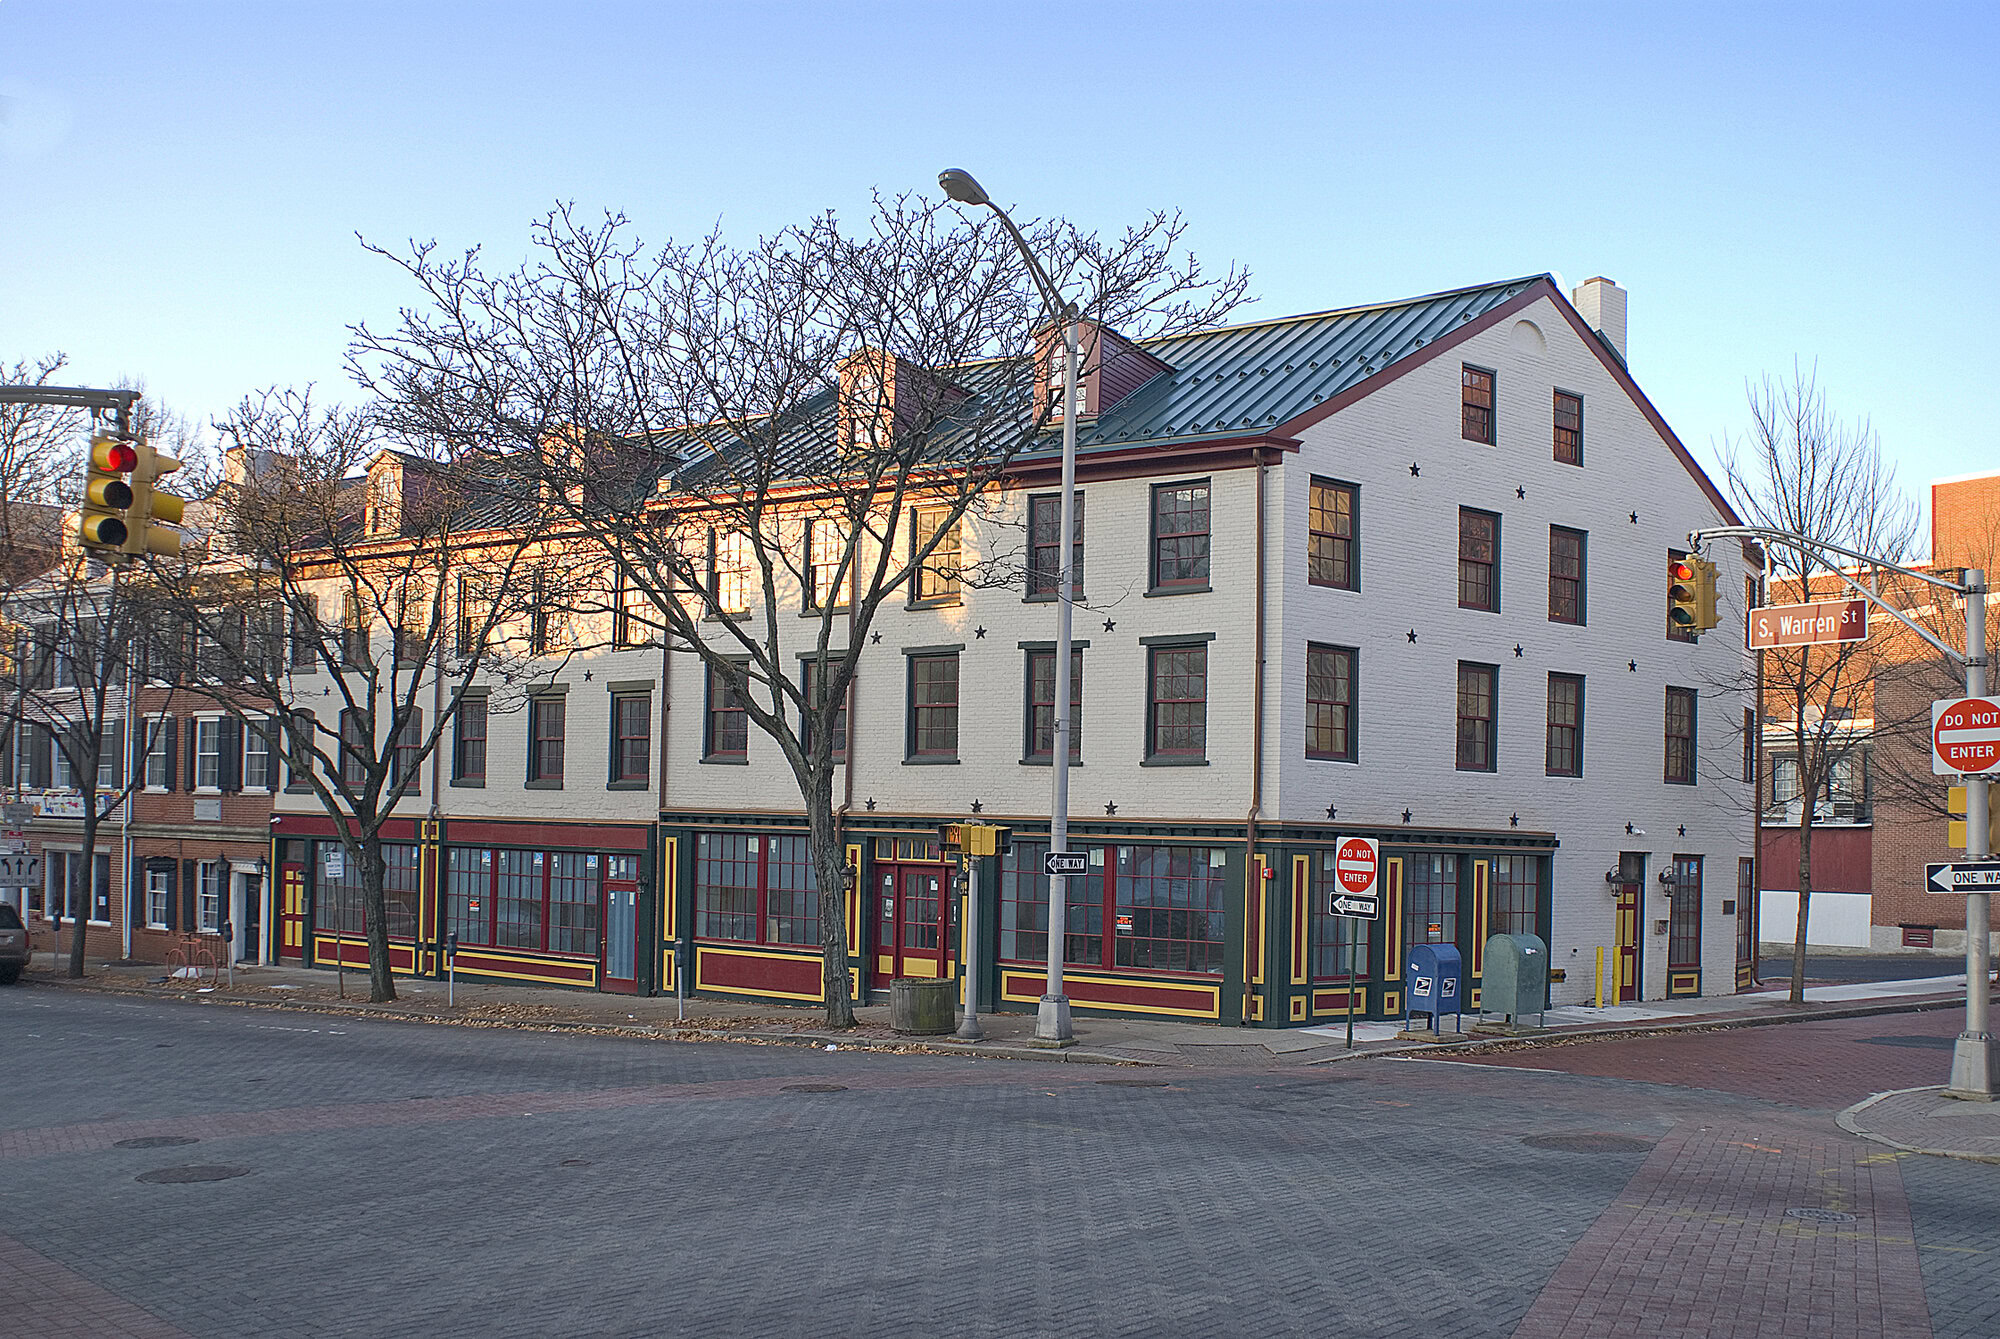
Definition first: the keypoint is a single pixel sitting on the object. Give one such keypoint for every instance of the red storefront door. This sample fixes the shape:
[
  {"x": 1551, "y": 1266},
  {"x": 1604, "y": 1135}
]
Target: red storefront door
[
  {"x": 1628, "y": 943},
  {"x": 291, "y": 912},
  {"x": 912, "y": 918}
]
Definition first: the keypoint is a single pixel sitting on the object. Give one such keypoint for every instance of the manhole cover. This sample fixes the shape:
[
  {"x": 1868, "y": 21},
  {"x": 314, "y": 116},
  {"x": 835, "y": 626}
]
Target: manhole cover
[
  {"x": 1587, "y": 1143},
  {"x": 1131, "y": 1083},
  {"x": 574, "y": 1162},
  {"x": 1820, "y": 1215},
  {"x": 175, "y": 1176},
  {"x": 814, "y": 1088},
  {"x": 156, "y": 1141},
  {"x": 1920, "y": 1043}
]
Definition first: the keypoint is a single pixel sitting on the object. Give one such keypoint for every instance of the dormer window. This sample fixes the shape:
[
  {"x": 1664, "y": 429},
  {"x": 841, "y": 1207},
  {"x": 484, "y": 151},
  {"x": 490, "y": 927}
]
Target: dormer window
[{"x": 1109, "y": 367}]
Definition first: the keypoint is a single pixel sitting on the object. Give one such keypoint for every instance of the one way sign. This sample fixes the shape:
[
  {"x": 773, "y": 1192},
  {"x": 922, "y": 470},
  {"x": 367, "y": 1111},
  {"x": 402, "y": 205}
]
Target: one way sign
[
  {"x": 1967, "y": 876},
  {"x": 1361, "y": 908}
]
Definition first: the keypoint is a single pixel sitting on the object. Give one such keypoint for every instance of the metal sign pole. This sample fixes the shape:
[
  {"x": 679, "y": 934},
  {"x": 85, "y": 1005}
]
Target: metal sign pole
[
  {"x": 1353, "y": 933},
  {"x": 968, "y": 1027},
  {"x": 1972, "y": 1054}
]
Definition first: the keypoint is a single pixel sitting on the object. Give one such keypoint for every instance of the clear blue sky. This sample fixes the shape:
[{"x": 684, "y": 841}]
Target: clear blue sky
[{"x": 183, "y": 182}]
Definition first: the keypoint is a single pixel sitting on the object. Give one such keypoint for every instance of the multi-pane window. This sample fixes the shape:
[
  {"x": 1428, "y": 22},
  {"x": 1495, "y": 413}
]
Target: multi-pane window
[
  {"x": 1330, "y": 536},
  {"x": 407, "y": 750},
  {"x": 1684, "y": 915},
  {"x": 1476, "y": 694},
  {"x": 357, "y": 750},
  {"x": 633, "y": 619},
  {"x": 1180, "y": 535},
  {"x": 544, "y": 618},
  {"x": 726, "y": 728},
  {"x": 410, "y": 637},
  {"x": 757, "y": 889},
  {"x": 815, "y": 672},
  {"x": 937, "y": 575},
  {"x": 1749, "y": 745},
  {"x": 1149, "y": 907},
  {"x": 473, "y": 610},
  {"x": 729, "y": 580},
  {"x": 1515, "y": 895},
  {"x": 208, "y": 752},
  {"x": 573, "y": 903},
  {"x": 339, "y": 905},
  {"x": 159, "y": 892},
  {"x": 1045, "y": 546},
  {"x": 1430, "y": 899},
  {"x": 547, "y": 720},
  {"x": 1042, "y": 705},
  {"x": 159, "y": 753},
  {"x": 1339, "y": 943},
  {"x": 934, "y": 706},
  {"x": 631, "y": 736},
  {"x": 1476, "y": 397},
  {"x": 544, "y": 901},
  {"x": 1330, "y": 702},
  {"x": 1566, "y": 557},
  {"x": 1569, "y": 428},
  {"x": 208, "y": 896},
  {"x": 111, "y": 756},
  {"x": 1478, "y": 560},
  {"x": 354, "y": 633},
  {"x": 829, "y": 586},
  {"x": 1680, "y": 736},
  {"x": 1565, "y": 728},
  {"x": 301, "y": 730},
  {"x": 1177, "y": 702},
  {"x": 468, "y": 740},
  {"x": 257, "y": 755}
]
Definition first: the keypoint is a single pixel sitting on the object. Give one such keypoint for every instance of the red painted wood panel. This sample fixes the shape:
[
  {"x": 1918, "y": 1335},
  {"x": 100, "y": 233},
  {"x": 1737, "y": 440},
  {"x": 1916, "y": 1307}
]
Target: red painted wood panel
[{"x": 1841, "y": 859}]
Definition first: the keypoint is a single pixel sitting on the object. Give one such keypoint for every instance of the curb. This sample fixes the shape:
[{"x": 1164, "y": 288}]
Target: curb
[
  {"x": 1614, "y": 1031},
  {"x": 650, "y": 1032},
  {"x": 1847, "y": 1120}
]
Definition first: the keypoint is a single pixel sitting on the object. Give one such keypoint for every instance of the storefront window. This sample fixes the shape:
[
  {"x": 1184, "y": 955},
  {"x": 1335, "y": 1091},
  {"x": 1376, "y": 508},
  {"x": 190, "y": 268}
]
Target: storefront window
[
  {"x": 573, "y": 903},
  {"x": 468, "y": 893},
  {"x": 1339, "y": 943},
  {"x": 518, "y": 899},
  {"x": 1164, "y": 905},
  {"x": 755, "y": 889},
  {"x": 1430, "y": 899},
  {"x": 1516, "y": 895},
  {"x": 338, "y": 905}
]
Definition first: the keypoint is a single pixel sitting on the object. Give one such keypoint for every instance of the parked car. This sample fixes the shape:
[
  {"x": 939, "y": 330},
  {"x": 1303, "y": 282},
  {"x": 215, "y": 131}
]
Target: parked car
[{"x": 13, "y": 945}]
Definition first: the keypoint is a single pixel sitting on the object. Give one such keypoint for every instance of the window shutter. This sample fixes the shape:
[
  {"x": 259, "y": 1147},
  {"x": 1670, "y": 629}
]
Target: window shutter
[
  {"x": 137, "y": 756},
  {"x": 7, "y": 759},
  {"x": 173, "y": 895},
  {"x": 114, "y": 748},
  {"x": 170, "y": 734},
  {"x": 275, "y": 752},
  {"x": 229, "y": 735},
  {"x": 39, "y": 756},
  {"x": 189, "y": 920},
  {"x": 193, "y": 729}
]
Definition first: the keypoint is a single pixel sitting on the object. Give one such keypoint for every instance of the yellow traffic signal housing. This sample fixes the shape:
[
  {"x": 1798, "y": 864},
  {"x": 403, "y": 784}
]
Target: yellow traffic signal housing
[
  {"x": 107, "y": 497},
  {"x": 974, "y": 839},
  {"x": 1705, "y": 615},
  {"x": 1683, "y": 597},
  {"x": 1955, "y": 826},
  {"x": 153, "y": 510}
]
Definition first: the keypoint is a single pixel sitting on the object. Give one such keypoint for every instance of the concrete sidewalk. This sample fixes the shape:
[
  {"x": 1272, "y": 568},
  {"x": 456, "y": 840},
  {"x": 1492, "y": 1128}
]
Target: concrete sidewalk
[
  {"x": 1924, "y": 1120},
  {"x": 1007, "y": 1035}
]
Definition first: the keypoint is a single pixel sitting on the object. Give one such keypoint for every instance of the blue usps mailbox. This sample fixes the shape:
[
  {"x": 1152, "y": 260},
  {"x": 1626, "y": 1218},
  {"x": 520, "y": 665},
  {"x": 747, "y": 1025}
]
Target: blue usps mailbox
[{"x": 1436, "y": 980}]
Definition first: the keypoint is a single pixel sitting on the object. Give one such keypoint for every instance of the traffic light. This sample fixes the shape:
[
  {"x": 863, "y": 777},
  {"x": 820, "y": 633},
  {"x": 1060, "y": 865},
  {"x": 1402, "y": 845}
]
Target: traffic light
[
  {"x": 153, "y": 510},
  {"x": 106, "y": 495},
  {"x": 1683, "y": 598},
  {"x": 1705, "y": 616}
]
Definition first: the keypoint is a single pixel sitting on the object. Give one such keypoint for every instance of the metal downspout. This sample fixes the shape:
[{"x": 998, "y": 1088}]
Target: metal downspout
[{"x": 1253, "y": 882}]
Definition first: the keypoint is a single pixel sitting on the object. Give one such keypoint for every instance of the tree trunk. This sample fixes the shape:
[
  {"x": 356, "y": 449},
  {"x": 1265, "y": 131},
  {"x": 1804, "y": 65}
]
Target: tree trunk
[
  {"x": 374, "y": 874},
  {"x": 833, "y": 873},
  {"x": 80, "y": 880}
]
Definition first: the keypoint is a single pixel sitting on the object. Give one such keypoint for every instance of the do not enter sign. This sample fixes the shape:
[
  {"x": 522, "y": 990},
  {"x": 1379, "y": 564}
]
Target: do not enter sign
[
  {"x": 1965, "y": 736},
  {"x": 1354, "y": 865}
]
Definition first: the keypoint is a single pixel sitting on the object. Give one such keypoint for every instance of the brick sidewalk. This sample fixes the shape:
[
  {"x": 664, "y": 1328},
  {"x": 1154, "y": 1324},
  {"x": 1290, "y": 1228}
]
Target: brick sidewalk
[
  {"x": 1745, "y": 1228},
  {"x": 42, "y": 1297}
]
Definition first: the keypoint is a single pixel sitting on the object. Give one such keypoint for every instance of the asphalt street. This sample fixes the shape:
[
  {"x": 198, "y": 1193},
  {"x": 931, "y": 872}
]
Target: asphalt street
[{"x": 171, "y": 1170}]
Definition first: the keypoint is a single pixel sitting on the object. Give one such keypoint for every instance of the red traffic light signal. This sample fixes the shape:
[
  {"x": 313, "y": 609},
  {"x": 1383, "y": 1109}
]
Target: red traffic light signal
[
  {"x": 106, "y": 494},
  {"x": 1682, "y": 595}
]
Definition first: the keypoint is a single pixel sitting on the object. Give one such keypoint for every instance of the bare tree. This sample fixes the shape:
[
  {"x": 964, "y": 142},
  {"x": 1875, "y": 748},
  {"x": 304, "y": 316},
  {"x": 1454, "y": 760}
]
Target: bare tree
[
  {"x": 77, "y": 631},
  {"x": 1804, "y": 470},
  {"x": 40, "y": 460},
  {"x": 799, "y": 425},
  {"x": 353, "y": 583}
]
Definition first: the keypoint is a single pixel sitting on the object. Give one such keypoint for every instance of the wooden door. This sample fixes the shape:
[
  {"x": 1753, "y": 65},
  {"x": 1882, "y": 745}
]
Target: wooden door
[
  {"x": 292, "y": 912},
  {"x": 912, "y": 922},
  {"x": 1628, "y": 943},
  {"x": 621, "y": 924}
]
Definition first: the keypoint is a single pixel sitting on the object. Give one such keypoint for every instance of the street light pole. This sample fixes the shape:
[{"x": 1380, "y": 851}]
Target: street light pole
[
  {"x": 1972, "y": 1053},
  {"x": 1052, "y": 1019}
]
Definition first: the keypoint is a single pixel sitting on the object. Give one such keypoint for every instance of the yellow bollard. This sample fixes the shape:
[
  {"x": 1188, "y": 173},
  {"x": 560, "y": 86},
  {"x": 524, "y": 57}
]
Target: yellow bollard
[{"x": 1599, "y": 984}]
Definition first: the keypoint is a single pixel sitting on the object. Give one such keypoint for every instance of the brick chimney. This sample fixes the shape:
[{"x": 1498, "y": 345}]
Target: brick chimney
[{"x": 1601, "y": 304}]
